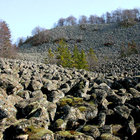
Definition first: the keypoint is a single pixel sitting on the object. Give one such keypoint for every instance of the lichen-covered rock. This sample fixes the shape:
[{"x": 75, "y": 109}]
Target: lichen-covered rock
[
  {"x": 10, "y": 84},
  {"x": 7, "y": 109},
  {"x": 39, "y": 133},
  {"x": 91, "y": 130},
  {"x": 131, "y": 129},
  {"x": 36, "y": 85},
  {"x": 123, "y": 111},
  {"x": 138, "y": 86},
  {"x": 63, "y": 135},
  {"x": 25, "y": 94},
  {"x": 134, "y": 92},
  {"x": 108, "y": 136},
  {"x": 116, "y": 129}
]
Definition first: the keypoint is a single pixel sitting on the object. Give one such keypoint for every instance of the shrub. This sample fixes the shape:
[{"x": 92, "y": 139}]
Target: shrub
[
  {"x": 128, "y": 50},
  {"x": 91, "y": 59},
  {"x": 50, "y": 57},
  {"x": 127, "y": 23}
]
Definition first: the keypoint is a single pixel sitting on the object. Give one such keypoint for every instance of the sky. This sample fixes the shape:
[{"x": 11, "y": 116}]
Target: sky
[{"x": 23, "y": 16}]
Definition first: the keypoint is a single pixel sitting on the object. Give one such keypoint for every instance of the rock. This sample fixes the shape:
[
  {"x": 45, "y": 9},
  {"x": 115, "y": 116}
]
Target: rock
[
  {"x": 39, "y": 133},
  {"x": 37, "y": 94},
  {"x": 22, "y": 137},
  {"x": 1, "y": 135},
  {"x": 51, "y": 110},
  {"x": 28, "y": 109},
  {"x": 36, "y": 85},
  {"x": 91, "y": 131},
  {"x": 131, "y": 130},
  {"x": 54, "y": 96},
  {"x": 50, "y": 86},
  {"x": 116, "y": 99},
  {"x": 6, "y": 107},
  {"x": 75, "y": 124},
  {"x": 3, "y": 114},
  {"x": 100, "y": 95},
  {"x": 123, "y": 111},
  {"x": 59, "y": 125},
  {"x": 138, "y": 86},
  {"x": 116, "y": 129},
  {"x": 25, "y": 94},
  {"x": 108, "y": 136},
  {"x": 101, "y": 119},
  {"x": 79, "y": 89},
  {"x": 134, "y": 92},
  {"x": 10, "y": 84},
  {"x": 27, "y": 132},
  {"x": 14, "y": 99},
  {"x": 105, "y": 129},
  {"x": 71, "y": 135}
]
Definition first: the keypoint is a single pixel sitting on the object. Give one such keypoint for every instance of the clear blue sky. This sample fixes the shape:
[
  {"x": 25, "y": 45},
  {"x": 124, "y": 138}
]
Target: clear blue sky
[{"x": 23, "y": 15}]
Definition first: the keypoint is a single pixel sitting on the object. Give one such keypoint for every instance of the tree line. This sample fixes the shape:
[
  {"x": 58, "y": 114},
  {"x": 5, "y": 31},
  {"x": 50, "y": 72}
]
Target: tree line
[
  {"x": 126, "y": 18},
  {"x": 109, "y": 17}
]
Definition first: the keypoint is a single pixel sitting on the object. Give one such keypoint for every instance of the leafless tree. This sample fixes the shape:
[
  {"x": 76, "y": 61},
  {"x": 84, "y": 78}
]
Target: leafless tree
[
  {"x": 108, "y": 17},
  {"x": 37, "y": 30},
  {"x": 61, "y": 22},
  {"x": 71, "y": 20},
  {"x": 83, "y": 20}
]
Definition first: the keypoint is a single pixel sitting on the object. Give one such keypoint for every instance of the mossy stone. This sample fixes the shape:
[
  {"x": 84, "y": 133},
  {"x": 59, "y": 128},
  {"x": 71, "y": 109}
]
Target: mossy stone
[
  {"x": 86, "y": 128},
  {"x": 68, "y": 134},
  {"x": 108, "y": 136},
  {"x": 59, "y": 122},
  {"x": 82, "y": 108},
  {"x": 36, "y": 133}
]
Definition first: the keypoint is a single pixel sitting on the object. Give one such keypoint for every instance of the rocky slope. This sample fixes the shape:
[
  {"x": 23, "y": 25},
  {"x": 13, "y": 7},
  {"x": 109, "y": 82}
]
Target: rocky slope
[
  {"x": 48, "y": 102},
  {"x": 84, "y": 36}
]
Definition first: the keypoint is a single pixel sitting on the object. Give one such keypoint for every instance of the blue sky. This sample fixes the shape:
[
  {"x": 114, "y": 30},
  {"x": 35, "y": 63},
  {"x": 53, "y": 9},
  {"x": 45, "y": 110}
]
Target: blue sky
[{"x": 23, "y": 15}]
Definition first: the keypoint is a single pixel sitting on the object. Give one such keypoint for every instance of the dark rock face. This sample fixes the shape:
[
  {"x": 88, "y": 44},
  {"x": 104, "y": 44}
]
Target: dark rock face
[{"x": 49, "y": 102}]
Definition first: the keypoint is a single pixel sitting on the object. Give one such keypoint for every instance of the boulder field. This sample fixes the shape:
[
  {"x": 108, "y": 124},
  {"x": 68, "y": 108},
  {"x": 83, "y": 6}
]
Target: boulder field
[{"x": 49, "y": 102}]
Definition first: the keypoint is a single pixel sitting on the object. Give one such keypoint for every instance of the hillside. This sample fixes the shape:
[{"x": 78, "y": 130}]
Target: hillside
[{"x": 105, "y": 39}]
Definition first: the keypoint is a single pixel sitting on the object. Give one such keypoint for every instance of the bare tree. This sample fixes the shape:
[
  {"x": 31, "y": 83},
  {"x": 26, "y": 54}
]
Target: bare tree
[
  {"x": 61, "y": 22},
  {"x": 108, "y": 17},
  {"x": 71, "y": 20},
  {"x": 117, "y": 15},
  {"x": 83, "y": 20},
  {"x": 91, "y": 19},
  {"x": 37, "y": 30}
]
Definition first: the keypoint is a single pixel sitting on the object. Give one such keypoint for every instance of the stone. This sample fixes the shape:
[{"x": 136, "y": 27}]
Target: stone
[
  {"x": 91, "y": 130},
  {"x": 108, "y": 136},
  {"x": 23, "y": 137},
  {"x": 71, "y": 135},
  {"x": 123, "y": 111},
  {"x": 134, "y": 92},
  {"x": 131, "y": 129},
  {"x": 138, "y": 86},
  {"x": 10, "y": 84},
  {"x": 36, "y": 85},
  {"x": 101, "y": 119},
  {"x": 25, "y": 94}
]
